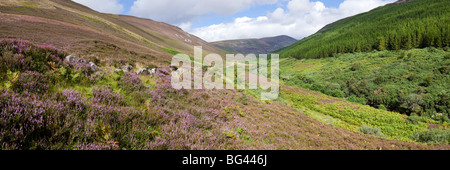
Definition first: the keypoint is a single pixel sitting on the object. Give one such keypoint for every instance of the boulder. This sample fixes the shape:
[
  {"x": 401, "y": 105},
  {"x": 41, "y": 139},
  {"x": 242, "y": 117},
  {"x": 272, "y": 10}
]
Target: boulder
[
  {"x": 93, "y": 67},
  {"x": 153, "y": 71},
  {"x": 72, "y": 59},
  {"x": 127, "y": 68},
  {"x": 143, "y": 71}
]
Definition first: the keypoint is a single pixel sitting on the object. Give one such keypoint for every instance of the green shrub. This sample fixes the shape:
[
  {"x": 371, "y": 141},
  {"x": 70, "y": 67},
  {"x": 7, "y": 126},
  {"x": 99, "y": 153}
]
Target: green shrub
[
  {"x": 355, "y": 99},
  {"x": 382, "y": 107},
  {"x": 432, "y": 136},
  {"x": 337, "y": 93},
  {"x": 427, "y": 81},
  {"x": 413, "y": 118},
  {"x": 370, "y": 130},
  {"x": 379, "y": 80},
  {"x": 412, "y": 77},
  {"x": 413, "y": 103},
  {"x": 356, "y": 66},
  {"x": 444, "y": 69}
]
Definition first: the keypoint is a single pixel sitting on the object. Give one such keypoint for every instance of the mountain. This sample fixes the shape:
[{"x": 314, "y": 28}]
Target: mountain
[
  {"x": 401, "y": 25},
  {"x": 81, "y": 31},
  {"x": 49, "y": 102},
  {"x": 257, "y": 46}
]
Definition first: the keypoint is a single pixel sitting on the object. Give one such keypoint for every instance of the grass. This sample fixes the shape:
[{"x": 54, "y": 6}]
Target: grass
[
  {"x": 171, "y": 51},
  {"x": 350, "y": 115},
  {"x": 21, "y": 9},
  {"x": 405, "y": 81},
  {"x": 91, "y": 19},
  {"x": 115, "y": 110},
  {"x": 29, "y": 4}
]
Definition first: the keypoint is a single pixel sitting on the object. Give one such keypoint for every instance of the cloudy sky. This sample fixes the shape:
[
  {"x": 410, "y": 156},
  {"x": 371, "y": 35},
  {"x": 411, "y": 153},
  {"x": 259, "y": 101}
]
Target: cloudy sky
[{"x": 214, "y": 20}]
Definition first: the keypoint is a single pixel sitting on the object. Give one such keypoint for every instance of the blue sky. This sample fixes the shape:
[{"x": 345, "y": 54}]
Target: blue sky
[
  {"x": 253, "y": 11},
  {"x": 215, "y": 20}
]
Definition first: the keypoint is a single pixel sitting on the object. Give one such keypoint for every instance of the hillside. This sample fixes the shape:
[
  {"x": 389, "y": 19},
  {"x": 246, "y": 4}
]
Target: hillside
[
  {"x": 412, "y": 24},
  {"x": 394, "y": 58},
  {"x": 409, "y": 81},
  {"x": 67, "y": 106},
  {"x": 50, "y": 102},
  {"x": 82, "y": 31},
  {"x": 256, "y": 46}
]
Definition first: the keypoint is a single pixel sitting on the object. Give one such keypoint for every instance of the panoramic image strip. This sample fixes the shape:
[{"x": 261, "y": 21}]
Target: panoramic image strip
[{"x": 235, "y": 75}]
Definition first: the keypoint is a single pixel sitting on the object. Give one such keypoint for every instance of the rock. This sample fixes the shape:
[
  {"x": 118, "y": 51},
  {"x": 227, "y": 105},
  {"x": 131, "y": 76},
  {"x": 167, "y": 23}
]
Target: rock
[
  {"x": 127, "y": 68},
  {"x": 93, "y": 67},
  {"x": 72, "y": 59},
  {"x": 143, "y": 71},
  {"x": 153, "y": 71}
]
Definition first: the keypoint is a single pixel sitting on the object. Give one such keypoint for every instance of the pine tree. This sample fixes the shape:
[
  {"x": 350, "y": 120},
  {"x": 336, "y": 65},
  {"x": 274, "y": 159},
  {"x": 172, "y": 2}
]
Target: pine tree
[{"x": 381, "y": 44}]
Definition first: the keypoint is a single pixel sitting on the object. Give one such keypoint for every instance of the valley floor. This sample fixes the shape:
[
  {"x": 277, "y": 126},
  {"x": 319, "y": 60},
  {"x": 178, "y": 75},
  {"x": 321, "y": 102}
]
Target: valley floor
[{"x": 49, "y": 103}]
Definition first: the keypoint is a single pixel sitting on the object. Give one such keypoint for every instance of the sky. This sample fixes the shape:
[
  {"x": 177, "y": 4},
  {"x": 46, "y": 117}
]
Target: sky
[{"x": 215, "y": 20}]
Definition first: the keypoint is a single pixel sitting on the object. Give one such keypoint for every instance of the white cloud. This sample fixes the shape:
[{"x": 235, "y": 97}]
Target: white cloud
[
  {"x": 301, "y": 18},
  {"x": 184, "y": 11},
  {"x": 106, "y": 6}
]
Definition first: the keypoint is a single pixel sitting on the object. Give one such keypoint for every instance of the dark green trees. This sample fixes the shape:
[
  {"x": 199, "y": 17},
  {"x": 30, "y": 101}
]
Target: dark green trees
[{"x": 414, "y": 24}]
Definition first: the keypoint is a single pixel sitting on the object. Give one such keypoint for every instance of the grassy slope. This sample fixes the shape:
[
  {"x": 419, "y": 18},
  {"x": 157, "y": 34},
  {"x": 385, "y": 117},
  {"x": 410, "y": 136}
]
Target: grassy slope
[
  {"x": 146, "y": 113},
  {"x": 237, "y": 121},
  {"x": 418, "y": 23},
  {"x": 407, "y": 81},
  {"x": 82, "y": 31},
  {"x": 386, "y": 78}
]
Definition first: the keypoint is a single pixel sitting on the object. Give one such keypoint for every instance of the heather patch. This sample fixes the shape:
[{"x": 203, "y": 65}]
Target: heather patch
[
  {"x": 31, "y": 81},
  {"x": 65, "y": 106}
]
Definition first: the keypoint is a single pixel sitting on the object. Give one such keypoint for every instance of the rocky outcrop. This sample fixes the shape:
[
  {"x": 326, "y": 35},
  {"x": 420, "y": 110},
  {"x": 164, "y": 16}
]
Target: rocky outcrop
[
  {"x": 127, "y": 68},
  {"x": 93, "y": 67},
  {"x": 146, "y": 72},
  {"x": 74, "y": 59}
]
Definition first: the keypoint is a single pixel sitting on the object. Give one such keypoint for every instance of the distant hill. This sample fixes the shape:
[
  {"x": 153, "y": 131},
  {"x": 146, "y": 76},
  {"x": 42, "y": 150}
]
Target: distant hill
[
  {"x": 257, "y": 46},
  {"x": 400, "y": 25},
  {"x": 80, "y": 30}
]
